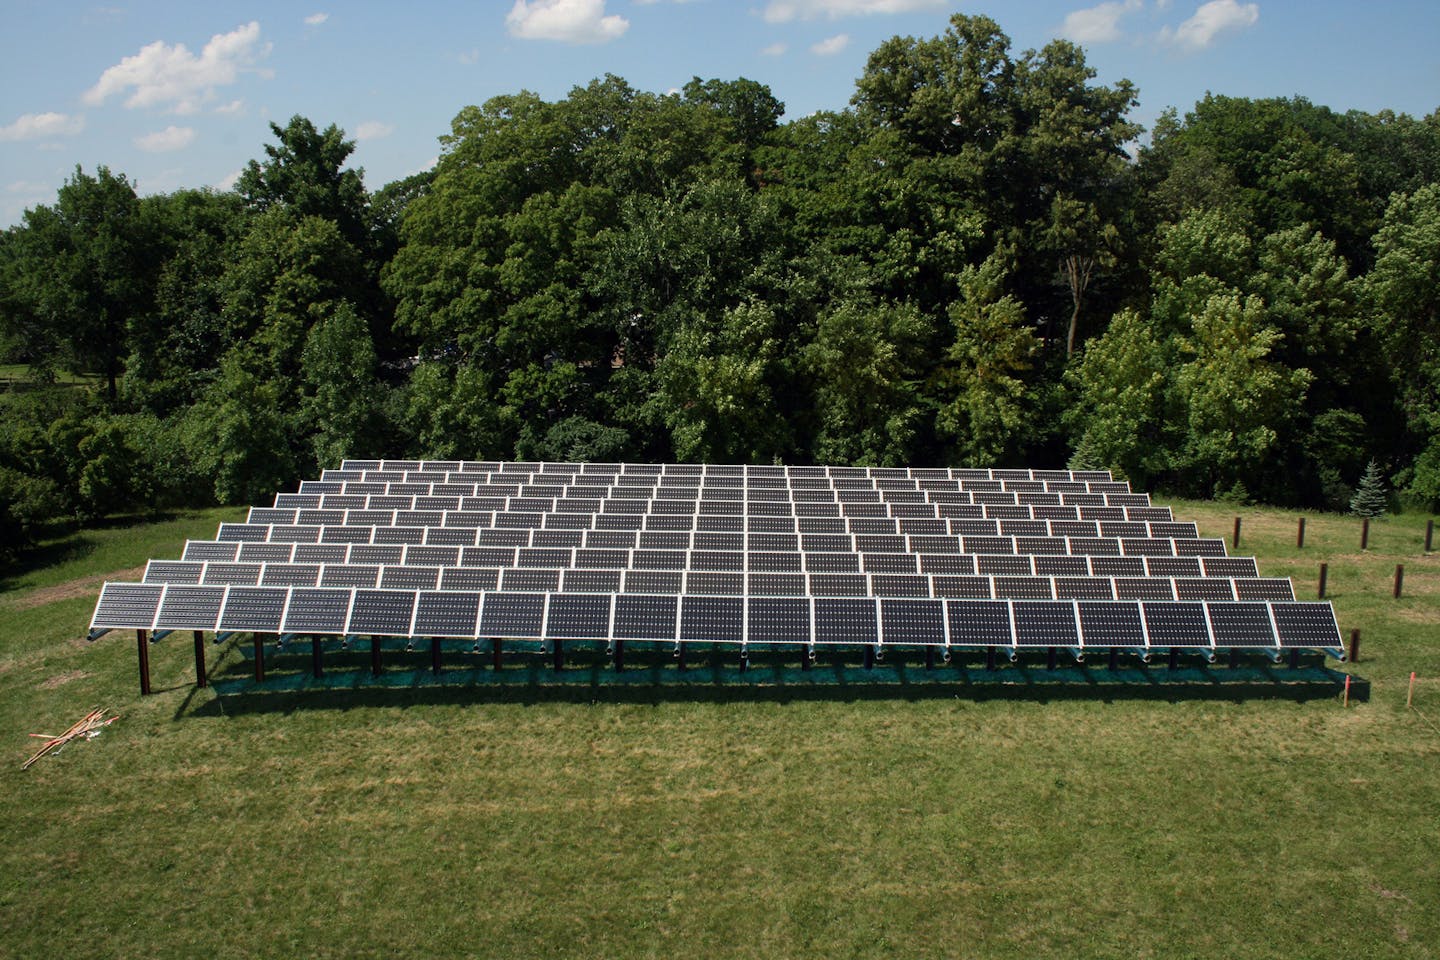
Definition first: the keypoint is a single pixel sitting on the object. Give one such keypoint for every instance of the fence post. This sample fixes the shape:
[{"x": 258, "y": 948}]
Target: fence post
[
  {"x": 1399, "y": 578},
  {"x": 1236, "y": 542},
  {"x": 1300, "y": 535},
  {"x": 1354, "y": 646},
  {"x": 1324, "y": 574},
  {"x": 1364, "y": 533}
]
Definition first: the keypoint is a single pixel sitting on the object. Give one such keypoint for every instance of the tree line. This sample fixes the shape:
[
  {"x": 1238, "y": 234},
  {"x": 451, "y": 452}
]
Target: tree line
[{"x": 968, "y": 265}]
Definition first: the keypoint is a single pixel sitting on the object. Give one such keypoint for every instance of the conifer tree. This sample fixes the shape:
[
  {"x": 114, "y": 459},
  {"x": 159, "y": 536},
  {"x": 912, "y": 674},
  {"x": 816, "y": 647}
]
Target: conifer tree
[{"x": 1371, "y": 498}]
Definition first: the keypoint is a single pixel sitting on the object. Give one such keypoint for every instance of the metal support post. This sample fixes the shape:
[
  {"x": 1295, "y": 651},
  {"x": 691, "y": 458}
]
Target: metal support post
[
  {"x": 317, "y": 657},
  {"x": 142, "y": 648},
  {"x": 201, "y": 680},
  {"x": 259, "y": 658}
]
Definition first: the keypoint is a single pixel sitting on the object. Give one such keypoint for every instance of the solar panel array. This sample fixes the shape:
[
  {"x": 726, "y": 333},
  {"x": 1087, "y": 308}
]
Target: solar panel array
[{"x": 722, "y": 554}]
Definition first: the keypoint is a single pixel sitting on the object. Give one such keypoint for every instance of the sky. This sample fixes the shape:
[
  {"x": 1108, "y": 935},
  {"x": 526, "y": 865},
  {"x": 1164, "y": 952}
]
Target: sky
[{"x": 180, "y": 94}]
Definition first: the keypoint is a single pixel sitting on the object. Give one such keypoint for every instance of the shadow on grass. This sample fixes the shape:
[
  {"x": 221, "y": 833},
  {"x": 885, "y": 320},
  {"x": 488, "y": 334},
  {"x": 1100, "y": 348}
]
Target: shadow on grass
[
  {"x": 67, "y": 543},
  {"x": 350, "y": 685}
]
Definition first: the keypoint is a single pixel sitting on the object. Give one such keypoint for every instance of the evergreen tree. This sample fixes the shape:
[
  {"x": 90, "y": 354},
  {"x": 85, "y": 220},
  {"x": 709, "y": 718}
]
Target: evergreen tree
[{"x": 1371, "y": 499}]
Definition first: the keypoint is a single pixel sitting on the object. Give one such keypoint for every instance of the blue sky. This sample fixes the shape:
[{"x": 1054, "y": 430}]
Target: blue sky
[{"x": 179, "y": 94}]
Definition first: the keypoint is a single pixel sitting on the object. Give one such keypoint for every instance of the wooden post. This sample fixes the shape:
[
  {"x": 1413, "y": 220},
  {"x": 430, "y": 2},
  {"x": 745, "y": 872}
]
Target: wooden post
[
  {"x": 1364, "y": 533},
  {"x": 259, "y": 658},
  {"x": 142, "y": 648},
  {"x": 1429, "y": 534},
  {"x": 496, "y": 652},
  {"x": 680, "y": 657},
  {"x": 1324, "y": 573},
  {"x": 1114, "y": 658},
  {"x": 1294, "y": 658},
  {"x": 200, "y": 679},
  {"x": 869, "y": 657},
  {"x": 1410, "y": 694},
  {"x": 929, "y": 658},
  {"x": 1354, "y": 646},
  {"x": 317, "y": 658},
  {"x": 1174, "y": 658},
  {"x": 989, "y": 658},
  {"x": 557, "y": 654},
  {"x": 805, "y": 657},
  {"x": 1236, "y": 543},
  {"x": 1300, "y": 535},
  {"x": 434, "y": 654},
  {"x": 1346, "y": 701},
  {"x": 374, "y": 656},
  {"x": 1052, "y": 658},
  {"x": 619, "y": 654},
  {"x": 1399, "y": 579}
]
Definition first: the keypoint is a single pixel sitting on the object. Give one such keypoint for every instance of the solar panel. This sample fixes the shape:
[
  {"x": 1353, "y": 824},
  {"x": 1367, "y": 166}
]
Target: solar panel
[
  {"x": 513, "y": 615},
  {"x": 579, "y": 616},
  {"x": 319, "y": 610},
  {"x": 777, "y": 620},
  {"x": 446, "y": 614},
  {"x": 1176, "y": 624},
  {"x": 1241, "y": 624},
  {"x": 645, "y": 617},
  {"x": 981, "y": 623},
  {"x": 1307, "y": 625},
  {"x": 1043, "y": 624},
  {"x": 918, "y": 622},
  {"x": 253, "y": 609},
  {"x": 1111, "y": 624},
  {"x": 190, "y": 608},
  {"x": 127, "y": 605},
  {"x": 382, "y": 612},
  {"x": 713, "y": 619}
]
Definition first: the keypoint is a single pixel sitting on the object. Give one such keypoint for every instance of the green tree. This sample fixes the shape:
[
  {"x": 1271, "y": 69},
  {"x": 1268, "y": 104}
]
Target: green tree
[
  {"x": 343, "y": 399},
  {"x": 1120, "y": 386},
  {"x": 305, "y": 173},
  {"x": 1371, "y": 498}
]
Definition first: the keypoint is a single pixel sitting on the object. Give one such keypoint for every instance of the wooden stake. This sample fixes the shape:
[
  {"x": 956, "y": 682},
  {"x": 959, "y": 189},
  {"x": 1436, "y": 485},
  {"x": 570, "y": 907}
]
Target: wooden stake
[
  {"x": 1324, "y": 574},
  {"x": 1399, "y": 579},
  {"x": 1346, "y": 703},
  {"x": 1236, "y": 543},
  {"x": 1410, "y": 694},
  {"x": 1354, "y": 646}
]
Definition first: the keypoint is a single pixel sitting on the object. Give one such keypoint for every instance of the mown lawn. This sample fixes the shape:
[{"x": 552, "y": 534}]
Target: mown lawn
[{"x": 735, "y": 821}]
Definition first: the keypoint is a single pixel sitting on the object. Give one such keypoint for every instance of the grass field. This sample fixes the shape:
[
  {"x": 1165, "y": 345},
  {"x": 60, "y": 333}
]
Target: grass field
[{"x": 608, "y": 821}]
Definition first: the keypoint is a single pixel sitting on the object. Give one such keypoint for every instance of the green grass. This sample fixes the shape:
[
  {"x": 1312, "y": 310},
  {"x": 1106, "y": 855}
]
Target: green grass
[
  {"x": 732, "y": 822},
  {"x": 19, "y": 376}
]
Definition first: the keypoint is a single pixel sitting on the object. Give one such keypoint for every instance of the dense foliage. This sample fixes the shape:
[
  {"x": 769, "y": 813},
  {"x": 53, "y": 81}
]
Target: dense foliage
[{"x": 965, "y": 266}]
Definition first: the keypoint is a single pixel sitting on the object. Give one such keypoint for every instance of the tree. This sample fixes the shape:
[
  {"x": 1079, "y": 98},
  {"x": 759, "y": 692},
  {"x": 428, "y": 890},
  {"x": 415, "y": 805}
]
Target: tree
[
  {"x": 985, "y": 401},
  {"x": 1371, "y": 498},
  {"x": 305, "y": 173},
  {"x": 342, "y": 396},
  {"x": 1120, "y": 385}
]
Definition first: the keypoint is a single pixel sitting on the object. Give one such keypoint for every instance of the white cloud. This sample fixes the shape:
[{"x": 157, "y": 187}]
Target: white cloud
[
  {"x": 163, "y": 74},
  {"x": 1210, "y": 20},
  {"x": 831, "y": 45},
  {"x": 31, "y": 187},
  {"x": 33, "y": 126},
  {"x": 783, "y": 11},
  {"x": 774, "y": 50},
  {"x": 228, "y": 181},
  {"x": 315, "y": 19},
  {"x": 373, "y": 130},
  {"x": 469, "y": 56},
  {"x": 234, "y": 106},
  {"x": 1098, "y": 24},
  {"x": 569, "y": 21},
  {"x": 161, "y": 141}
]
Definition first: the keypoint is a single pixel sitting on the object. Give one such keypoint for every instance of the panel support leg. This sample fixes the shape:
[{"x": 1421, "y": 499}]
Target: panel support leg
[
  {"x": 259, "y": 658},
  {"x": 435, "y": 655},
  {"x": 375, "y": 656},
  {"x": 929, "y": 658},
  {"x": 680, "y": 657},
  {"x": 201, "y": 680},
  {"x": 497, "y": 652},
  {"x": 1234, "y": 657},
  {"x": 142, "y": 649},
  {"x": 1114, "y": 658},
  {"x": 989, "y": 658},
  {"x": 317, "y": 658},
  {"x": 1294, "y": 658},
  {"x": 805, "y": 660},
  {"x": 1052, "y": 658},
  {"x": 557, "y": 655},
  {"x": 1174, "y": 658},
  {"x": 619, "y": 655},
  {"x": 869, "y": 657}
]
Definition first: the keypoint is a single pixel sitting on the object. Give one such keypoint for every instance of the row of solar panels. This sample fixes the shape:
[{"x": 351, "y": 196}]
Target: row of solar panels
[
  {"x": 468, "y": 485},
  {"x": 440, "y": 547},
  {"x": 570, "y": 468},
  {"x": 1021, "y": 564},
  {"x": 271, "y": 516},
  {"x": 1022, "y": 586},
  {"x": 635, "y": 499},
  {"x": 725, "y": 620},
  {"x": 813, "y": 516}
]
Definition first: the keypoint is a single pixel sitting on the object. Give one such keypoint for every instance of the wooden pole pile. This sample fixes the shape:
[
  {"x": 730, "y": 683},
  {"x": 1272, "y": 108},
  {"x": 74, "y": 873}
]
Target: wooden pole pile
[{"x": 87, "y": 726}]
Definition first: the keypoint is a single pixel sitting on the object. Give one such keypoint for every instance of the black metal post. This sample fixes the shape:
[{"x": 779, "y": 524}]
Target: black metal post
[
  {"x": 1174, "y": 658},
  {"x": 1324, "y": 574},
  {"x": 1052, "y": 658},
  {"x": 804, "y": 657},
  {"x": 259, "y": 658},
  {"x": 142, "y": 648},
  {"x": 1300, "y": 535},
  {"x": 201, "y": 680},
  {"x": 1399, "y": 578},
  {"x": 496, "y": 652},
  {"x": 619, "y": 654},
  {"x": 557, "y": 654},
  {"x": 434, "y": 654},
  {"x": 374, "y": 656},
  {"x": 1114, "y": 658},
  {"x": 317, "y": 657},
  {"x": 929, "y": 658},
  {"x": 1354, "y": 646},
  {"x": 869, "y": 657},
  {"x": 1294, "y": 658},
  {"x": 989, "y": 658},
  {"x": 1234, "y": 657}
]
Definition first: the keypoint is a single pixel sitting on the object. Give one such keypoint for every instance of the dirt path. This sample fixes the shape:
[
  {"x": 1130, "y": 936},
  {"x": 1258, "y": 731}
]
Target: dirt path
[{"x": 75, "y": 588}]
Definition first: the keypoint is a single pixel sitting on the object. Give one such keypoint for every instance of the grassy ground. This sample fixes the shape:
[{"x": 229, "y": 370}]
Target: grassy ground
[{"x": 615, "y": 821}]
